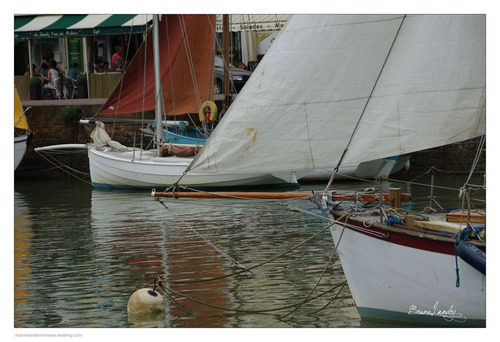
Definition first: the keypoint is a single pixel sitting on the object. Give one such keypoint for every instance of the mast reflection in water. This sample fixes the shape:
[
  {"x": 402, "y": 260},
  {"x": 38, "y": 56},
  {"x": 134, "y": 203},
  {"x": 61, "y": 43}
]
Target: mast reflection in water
[{"x": 79, "y": 254}]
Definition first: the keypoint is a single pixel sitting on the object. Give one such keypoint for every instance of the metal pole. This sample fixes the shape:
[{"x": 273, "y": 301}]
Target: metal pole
[
  {"x": 432, "y": 189},
  {"x": 30, "y": 58},
  {"x": 467, "y": 193},
  {"x": 225, "y": 38},
  {"x": 380, "y": 202},
  {"x": 86, "y": 64},
  {"x": 158, "y": 93}
]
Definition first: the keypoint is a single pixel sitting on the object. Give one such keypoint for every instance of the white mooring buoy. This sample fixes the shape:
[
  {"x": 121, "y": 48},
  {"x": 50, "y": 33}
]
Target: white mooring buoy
[
  {"x": 146, "y": 307},
  {"x": 146, "y": 301}
]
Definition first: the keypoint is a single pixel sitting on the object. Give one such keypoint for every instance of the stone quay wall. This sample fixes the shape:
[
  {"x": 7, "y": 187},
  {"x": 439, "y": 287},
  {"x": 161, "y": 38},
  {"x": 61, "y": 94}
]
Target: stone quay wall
[{"x": 46, "y": 122}]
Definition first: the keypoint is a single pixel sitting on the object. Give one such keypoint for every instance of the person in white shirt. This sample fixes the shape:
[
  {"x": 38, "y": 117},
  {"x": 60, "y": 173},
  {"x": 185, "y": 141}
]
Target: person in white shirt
[{"x": 52, "y": 78}]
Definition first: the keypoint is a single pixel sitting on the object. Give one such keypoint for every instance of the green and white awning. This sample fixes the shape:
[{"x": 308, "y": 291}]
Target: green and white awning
[{"x": 78, "y": 25}]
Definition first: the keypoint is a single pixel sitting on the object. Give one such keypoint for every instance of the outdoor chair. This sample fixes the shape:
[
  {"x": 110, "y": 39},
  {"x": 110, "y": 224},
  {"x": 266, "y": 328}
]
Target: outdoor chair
[
  {"x": 55, "y": 92},
  {"x": 69, "y": 88}
]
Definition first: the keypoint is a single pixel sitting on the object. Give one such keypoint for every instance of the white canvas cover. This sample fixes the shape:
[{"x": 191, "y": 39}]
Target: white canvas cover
[
  {"x": 413, "y": 82},
  {"x": 100, "y": 138}
]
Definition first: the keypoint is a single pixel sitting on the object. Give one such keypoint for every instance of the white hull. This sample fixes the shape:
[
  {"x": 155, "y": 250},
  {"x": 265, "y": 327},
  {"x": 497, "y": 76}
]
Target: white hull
[
  {"x": 20, "y": 146},
  {"x": 390, "y": 281},
  {"x": 366, "y": 170},
  {"x": 120, "y": 170}
]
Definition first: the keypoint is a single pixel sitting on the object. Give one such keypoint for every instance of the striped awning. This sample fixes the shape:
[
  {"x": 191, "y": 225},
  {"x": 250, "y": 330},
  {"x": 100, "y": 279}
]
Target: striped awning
[{"x": 77, "y": 25}]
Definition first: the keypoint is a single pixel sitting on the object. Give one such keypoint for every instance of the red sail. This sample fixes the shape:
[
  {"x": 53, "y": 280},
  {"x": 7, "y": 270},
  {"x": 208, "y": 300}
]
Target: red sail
[{"x": 182, "y": 92}]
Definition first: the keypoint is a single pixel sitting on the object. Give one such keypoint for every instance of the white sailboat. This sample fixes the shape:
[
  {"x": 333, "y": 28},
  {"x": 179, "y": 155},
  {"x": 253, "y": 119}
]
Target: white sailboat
[
  {"x": 111, "y": 167},
  {"x": 22, "y": 133},
  {"x": 344, "y": 89},
  {"x": 171, "y": 74}
]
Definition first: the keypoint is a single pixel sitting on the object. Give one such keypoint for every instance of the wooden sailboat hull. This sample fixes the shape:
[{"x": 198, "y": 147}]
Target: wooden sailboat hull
[
  {"x": 405, "y": 276},
  {"x": 20, "y": 145},
  {"x": 110, "y": 169}
]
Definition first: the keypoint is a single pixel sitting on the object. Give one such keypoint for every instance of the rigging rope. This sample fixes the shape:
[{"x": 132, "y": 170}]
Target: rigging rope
[
  {"x": 253, "y": 311},
  {"x": 204, "y": 239},
  {"x": 192, "y": 72},
  {"x": 366, "y": 105},
  {"x": 171, "y": 73},
  {"x": 62, "y": 167},
  {"x": 143, "y": 102},
  {"x": 346, "y": 216},
  {"x": 189, "y": 57},
  {"x": 259, "y": 264},
  {"x": 331, "y": 300},
  {"x": 121, "y": 83},
  {"x": 295, "y": 307},
  {"x": 476, "y": 158}
]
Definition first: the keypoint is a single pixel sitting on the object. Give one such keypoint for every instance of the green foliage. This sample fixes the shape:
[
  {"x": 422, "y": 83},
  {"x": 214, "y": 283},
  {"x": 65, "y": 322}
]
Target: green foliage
[
  {"x": 69, "y": 113},
  {"x": 35, "y": 81},
  {"x": 82, "y": 79}
]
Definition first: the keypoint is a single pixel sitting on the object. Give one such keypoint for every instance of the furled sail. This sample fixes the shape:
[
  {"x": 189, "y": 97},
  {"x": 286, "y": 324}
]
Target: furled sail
[
  {"x": 19, "y": 118},
  {"x": 376, "y": 85},
  {"x": 186, "y": 50}
]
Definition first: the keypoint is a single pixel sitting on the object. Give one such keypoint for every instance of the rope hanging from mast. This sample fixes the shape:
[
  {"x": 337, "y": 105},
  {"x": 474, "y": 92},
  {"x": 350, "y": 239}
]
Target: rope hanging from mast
[{"x": 364, "y": 108}]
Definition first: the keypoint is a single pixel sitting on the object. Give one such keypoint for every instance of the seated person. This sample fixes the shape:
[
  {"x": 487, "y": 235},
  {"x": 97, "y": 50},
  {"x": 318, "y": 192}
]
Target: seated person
[
  {"x": 98, "y": 66},
  {"x": 105, "y": 67},
  {"x": 52, "y": 78},
  {"x": 73, "y": 72},
  {"x": 44, "y": 71}
]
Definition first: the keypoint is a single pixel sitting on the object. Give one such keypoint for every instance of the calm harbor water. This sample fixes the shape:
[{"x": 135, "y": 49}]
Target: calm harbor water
[{"x": 80, "y": 253}]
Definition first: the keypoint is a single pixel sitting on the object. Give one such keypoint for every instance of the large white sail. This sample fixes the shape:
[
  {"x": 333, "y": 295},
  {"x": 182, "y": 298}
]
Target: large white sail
[{"x": 412, "y": 82}]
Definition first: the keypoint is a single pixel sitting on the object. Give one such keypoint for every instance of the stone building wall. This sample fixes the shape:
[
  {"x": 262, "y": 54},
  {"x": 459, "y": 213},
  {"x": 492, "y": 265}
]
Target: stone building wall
[{"x": 457, "y": 158}]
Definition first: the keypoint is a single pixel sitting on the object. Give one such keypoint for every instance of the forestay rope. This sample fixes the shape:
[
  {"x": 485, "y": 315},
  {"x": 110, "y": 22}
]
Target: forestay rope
[{"x": 335, "y": 170}]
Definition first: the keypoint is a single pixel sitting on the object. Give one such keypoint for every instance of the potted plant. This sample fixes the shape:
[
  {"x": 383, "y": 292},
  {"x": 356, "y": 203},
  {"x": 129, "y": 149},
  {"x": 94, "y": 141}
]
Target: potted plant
[
  {"x": 81, "y": 86},
  {"x": 35, "y": 88},
  {"x": 69, "y": 113},
  {"x": 70, "y": 116}
]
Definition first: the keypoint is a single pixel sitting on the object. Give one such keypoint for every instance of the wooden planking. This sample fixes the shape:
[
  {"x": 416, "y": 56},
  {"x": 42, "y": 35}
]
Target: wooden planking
[
  {"x": 448, "y": 227},
  {"x": 478, "y": 216}
]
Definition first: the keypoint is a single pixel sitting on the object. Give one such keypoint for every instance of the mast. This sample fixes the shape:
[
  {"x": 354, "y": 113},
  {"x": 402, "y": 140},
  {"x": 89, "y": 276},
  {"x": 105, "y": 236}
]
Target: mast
[
  {"x": 324, "y": 105},
  {"x": 225, "y": 38},
  {"x": 158, "y": 92}
]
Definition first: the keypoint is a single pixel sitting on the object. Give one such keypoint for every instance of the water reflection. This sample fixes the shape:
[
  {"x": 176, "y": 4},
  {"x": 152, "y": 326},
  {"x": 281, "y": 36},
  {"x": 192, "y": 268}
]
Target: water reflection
[{"x": 79, "y": 254}]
